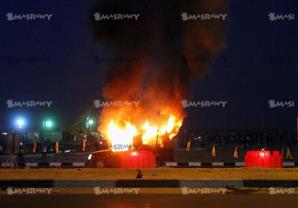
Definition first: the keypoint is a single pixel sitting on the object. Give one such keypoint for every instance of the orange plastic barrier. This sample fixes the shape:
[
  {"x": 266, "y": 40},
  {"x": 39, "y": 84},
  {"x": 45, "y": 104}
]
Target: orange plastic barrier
[
  {"x": 136, "y": 159},
  {"x": 263, "y": 158}
]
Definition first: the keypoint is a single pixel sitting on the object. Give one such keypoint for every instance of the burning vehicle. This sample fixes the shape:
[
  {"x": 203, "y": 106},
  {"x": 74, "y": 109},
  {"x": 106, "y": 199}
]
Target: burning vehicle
[
  {"x": 126, "y": 159},
  {"x": 143, "y": 157},
  {"x": 130, "y": 149}
]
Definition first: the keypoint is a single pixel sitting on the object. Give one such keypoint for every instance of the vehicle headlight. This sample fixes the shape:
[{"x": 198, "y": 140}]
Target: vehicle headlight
[{"x": 90, "y": 157}]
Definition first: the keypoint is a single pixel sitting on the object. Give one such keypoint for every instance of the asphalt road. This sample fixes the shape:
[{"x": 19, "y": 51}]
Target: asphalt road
[{"x": 149, "y": 201}]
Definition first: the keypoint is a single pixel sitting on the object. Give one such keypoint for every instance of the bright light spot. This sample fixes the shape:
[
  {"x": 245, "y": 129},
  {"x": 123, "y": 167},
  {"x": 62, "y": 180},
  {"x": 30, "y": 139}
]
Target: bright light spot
[
  {"x": 48, "y": 124},
  {"x": 20, "y": 123},
  {"x": 89, "y": 157},
  {"x": 262, "y": 154},
  {"x": 4, "y": 133},
  {"x": 121, "y": 135},
  {"x": 90, "y": 122},
  {"x": 134, "y": 153}
]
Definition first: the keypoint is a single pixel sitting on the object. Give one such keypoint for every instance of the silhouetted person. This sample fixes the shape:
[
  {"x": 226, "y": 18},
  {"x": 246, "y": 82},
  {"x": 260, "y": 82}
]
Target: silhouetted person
[
  {"x": 21, "y": 152},
  {"x": 34, "y": 144},
  {"x": 139, "y": 174},
  {"x": 10, "y": 149},
  {"x": 44, "y": 152}
]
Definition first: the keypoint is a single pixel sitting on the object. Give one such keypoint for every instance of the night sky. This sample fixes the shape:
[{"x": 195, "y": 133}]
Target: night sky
[{"x": 259, "y": 63}]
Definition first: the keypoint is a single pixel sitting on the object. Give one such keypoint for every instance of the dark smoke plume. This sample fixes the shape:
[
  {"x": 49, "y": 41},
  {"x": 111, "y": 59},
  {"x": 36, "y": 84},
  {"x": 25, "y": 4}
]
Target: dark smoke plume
[{"x": 163, "y": 52}]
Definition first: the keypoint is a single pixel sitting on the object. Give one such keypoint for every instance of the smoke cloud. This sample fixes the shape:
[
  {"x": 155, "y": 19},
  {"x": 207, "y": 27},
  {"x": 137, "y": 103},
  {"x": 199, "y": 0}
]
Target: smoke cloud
[{"x": 164, "y": 43}]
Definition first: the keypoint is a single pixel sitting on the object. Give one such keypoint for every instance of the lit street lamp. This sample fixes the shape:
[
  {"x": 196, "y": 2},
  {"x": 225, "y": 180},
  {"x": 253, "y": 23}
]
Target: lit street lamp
[
  {"x": 48, "y": 124},
  {"x": 20, "y": 122},
  {"x": 89, "y": 123}
]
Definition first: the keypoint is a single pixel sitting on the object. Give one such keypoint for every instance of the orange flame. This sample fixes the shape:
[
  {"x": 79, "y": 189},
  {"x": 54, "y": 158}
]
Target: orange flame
[
  {"x": 121, "y": 133},
  {"x": 126, "y": 133},
  {"x": 153, "y": 114}
]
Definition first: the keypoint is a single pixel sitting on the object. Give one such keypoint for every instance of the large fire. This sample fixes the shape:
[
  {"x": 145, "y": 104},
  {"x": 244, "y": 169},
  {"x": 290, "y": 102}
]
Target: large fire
[
  {"x": 122, "y": 132},
  {"x": 160, "y": 58}
]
